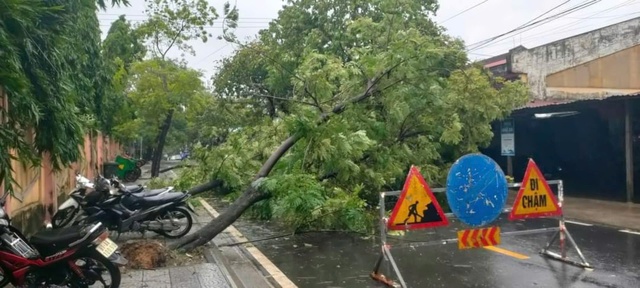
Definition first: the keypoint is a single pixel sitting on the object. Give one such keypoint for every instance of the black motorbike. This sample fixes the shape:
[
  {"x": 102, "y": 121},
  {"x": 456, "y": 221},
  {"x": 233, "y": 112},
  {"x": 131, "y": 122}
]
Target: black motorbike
[
  {"x": 72, "y": 208},
  {"x": 168, "y": 214}
]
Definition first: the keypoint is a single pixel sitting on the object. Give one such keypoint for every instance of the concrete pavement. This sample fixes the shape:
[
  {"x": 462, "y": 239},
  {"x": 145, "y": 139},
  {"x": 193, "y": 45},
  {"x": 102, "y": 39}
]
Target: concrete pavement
[
  {"x": 206, "y": 275},
  {"x": 609, "y": 213}
]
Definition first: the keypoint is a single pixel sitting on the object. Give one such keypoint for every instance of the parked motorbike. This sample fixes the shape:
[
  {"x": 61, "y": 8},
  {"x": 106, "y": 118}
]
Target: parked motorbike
[
  {"x": 73, "y": 207},
  {"x": 167, "y": 214},
  {"x": 75, "y": 256}
]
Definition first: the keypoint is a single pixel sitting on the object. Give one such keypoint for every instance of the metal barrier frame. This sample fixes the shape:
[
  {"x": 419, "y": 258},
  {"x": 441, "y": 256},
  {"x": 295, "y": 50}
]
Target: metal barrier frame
[{"x": 561, "y": 233}]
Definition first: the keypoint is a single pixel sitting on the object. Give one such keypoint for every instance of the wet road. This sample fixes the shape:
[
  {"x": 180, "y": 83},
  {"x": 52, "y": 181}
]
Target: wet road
[{"x": 343, "y": 260}]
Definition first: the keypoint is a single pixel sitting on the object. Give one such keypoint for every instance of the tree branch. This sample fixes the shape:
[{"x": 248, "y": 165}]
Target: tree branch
[
  {"x": 173, "y": 41},
  {"x": 408, "y": 135},
  {"x": 285, "y": 99},
  {"x": 404, "y": 122},
  {"x": 175, "y": 167},
  {"x": 315, "y": 100}
]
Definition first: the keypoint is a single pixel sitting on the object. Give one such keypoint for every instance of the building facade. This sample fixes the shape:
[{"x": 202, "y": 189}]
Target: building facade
[{"x": 579, "y": 123}]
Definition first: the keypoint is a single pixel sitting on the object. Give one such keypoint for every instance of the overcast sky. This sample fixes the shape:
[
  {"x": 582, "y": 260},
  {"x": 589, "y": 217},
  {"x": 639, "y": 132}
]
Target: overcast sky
[{"x": 487, "y": 19}]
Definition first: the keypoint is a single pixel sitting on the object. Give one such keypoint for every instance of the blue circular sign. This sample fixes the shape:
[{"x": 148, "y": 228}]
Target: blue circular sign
[{"x": 476, "y": 190}]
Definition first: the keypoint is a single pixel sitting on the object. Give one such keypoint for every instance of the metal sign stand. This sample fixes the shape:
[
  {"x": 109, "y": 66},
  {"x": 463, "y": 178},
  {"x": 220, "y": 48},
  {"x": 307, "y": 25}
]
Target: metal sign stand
[{"x": 561, "y": 234}]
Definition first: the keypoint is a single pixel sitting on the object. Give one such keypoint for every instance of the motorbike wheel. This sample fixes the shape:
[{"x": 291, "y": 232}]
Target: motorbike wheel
[
  {"x": 6, "y": 279},
  {"x": 63, "y": 217},
  {"x": 130, "y": 176},
  {"x": 168, "y": 215},
  {"x": 94, "y": 273}
]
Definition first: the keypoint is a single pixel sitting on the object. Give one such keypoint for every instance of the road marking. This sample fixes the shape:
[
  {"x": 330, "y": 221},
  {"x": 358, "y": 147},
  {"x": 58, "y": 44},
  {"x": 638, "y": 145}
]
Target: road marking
[
  {"x": 507, "y": 252},
  {"x": 271, "y": 268},
  {"x": 629, "y": 232},
  {"x": 578, "y": 223}
]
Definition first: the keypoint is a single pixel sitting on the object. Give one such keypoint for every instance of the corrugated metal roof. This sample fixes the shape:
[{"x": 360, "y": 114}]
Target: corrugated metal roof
[
  {"x": 546, "y": 103},
  {"x": 543, "y": 103}
]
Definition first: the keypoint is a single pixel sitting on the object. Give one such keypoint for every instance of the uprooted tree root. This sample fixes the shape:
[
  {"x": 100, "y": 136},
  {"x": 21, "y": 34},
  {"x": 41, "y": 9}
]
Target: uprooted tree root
[
  {"x": 146, "y": 254},
  {"x": 152, "y": 254}
]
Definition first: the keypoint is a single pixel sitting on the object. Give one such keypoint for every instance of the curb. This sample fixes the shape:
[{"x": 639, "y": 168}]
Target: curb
[{"x": 261, "y": 262}]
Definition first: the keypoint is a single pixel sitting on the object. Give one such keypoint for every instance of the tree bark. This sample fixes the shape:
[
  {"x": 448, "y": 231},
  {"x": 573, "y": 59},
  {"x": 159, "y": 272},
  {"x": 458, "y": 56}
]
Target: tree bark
[
  {"x": 148, "y": 153},
  {"x": 175, "y": 167},
  {"x": 162, "y": 137},
  {"x": 213, "y": 184},
  {"x": 250, "y": 196},
  {"x": 253, "y": 194}
]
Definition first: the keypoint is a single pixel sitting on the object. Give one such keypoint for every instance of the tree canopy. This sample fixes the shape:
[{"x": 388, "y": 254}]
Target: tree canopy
[{"x": 342, "y": 97}]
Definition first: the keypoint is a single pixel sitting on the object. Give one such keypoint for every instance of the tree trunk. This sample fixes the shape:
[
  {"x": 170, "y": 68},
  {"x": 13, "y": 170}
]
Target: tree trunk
[
  {"x": 205, "y": 187},
  {"x": 250, "y": 196},
  {"x": 253, "y": 193},
  {"x": 148, "y": 153},
  {"x": 162, "y": 137},
  {"x": 175, "y": 167}
]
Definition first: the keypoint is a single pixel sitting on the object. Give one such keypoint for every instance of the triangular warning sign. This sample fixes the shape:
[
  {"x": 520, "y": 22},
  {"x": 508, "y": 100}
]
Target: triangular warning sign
[
  {"x": 535, "y": 198},
  {"x": 417, "y": 207}
]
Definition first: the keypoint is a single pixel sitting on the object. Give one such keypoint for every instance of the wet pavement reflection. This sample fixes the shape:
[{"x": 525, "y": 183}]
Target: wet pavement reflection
[{"x": 332, "y": 259}]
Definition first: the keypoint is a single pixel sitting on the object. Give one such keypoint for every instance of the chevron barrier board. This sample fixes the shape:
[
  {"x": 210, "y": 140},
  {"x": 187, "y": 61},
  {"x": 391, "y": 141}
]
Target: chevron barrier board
[{"x": 476, "y": 238}]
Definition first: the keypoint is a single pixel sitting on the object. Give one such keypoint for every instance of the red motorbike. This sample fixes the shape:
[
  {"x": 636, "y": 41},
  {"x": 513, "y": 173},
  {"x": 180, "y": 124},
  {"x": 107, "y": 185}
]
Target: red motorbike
[{"x": 76, "y": 256}]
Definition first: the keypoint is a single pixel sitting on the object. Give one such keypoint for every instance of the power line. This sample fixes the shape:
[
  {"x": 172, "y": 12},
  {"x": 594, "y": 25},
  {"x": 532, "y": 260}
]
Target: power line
[
  {"x": 215, "y": 27},
  {"x": 147, "y": 16},
  {"x": 564, "y": 28},
  {"x": 530, "y": 25},
  {"x": 545, "y": 13},
  {"x": 464, "y": 11},
  {"x": 220, "y": 21},
  {"x": 484, "y": 43},
  {"x": 212, "y": 53}
]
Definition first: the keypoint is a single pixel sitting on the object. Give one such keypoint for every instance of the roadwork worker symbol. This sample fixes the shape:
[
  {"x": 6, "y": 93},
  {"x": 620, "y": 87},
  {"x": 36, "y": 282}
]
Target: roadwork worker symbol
[
  {"x": 416, "y": 207},
  {"x": 429, "y": 214}
]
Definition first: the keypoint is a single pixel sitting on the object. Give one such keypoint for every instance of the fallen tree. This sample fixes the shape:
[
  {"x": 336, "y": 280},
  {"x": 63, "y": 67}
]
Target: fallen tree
[
  {"x": 376, "y": 89},
  {"x": 253, "y": 193}
]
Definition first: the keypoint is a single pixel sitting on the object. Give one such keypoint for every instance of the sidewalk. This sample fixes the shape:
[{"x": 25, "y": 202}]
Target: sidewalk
[
  {"x": 608, "y": 213},
  {"x": 232, "y": 267},
  {"x": 206, "y": 275},
  {"x": 228, "y": 267},
  {"x": 203, "y": 275}
]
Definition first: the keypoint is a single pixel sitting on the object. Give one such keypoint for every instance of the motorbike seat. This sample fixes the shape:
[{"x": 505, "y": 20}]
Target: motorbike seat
[
  {"x": 134, "y": 188},
  {"x": 162, "y": 199},
  {"x": 153, "y": 192},
  {"x": 51, "y": 241}
]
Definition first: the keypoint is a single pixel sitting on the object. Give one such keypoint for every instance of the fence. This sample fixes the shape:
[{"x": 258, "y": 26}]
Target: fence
[{"x": 39, "y": 188}]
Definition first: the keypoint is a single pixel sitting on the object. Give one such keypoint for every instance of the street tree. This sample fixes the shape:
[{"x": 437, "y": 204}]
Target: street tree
[
  {"x": 371, "y": 87},
  {"x": 157, "y": 85},
  {"x": 121, "y": 48},
  {"x": 172, "y": 24}
]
